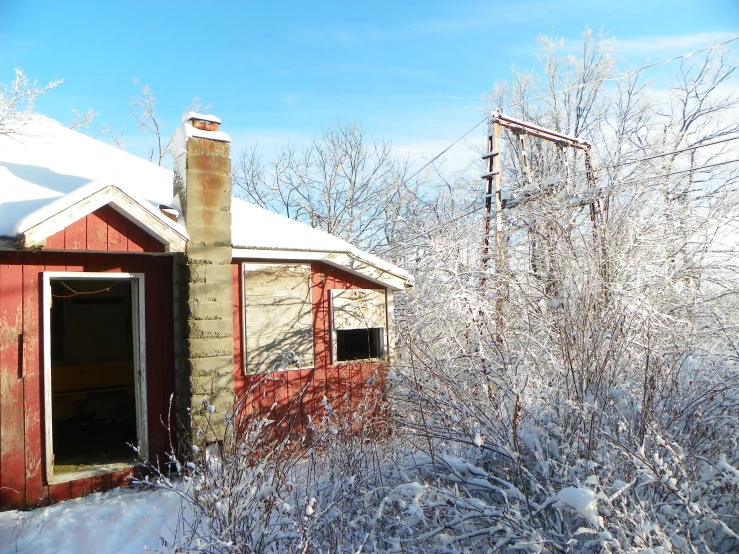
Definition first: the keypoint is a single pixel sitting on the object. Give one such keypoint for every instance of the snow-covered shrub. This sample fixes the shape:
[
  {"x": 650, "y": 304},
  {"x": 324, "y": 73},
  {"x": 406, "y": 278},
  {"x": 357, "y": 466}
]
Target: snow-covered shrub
[
  {"x": 585, "y": 360},
  {"x": 607, "y": 487},
  {"x": 235, "y": 493}
]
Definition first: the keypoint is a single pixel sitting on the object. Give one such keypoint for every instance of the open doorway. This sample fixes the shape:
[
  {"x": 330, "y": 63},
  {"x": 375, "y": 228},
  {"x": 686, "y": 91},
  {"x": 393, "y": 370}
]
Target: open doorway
[{"x": 93, "y": 375}]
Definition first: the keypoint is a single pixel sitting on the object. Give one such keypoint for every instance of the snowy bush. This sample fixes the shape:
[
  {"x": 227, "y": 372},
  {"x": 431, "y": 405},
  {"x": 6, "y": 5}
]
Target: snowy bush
[{"x": 234, "y": 493}]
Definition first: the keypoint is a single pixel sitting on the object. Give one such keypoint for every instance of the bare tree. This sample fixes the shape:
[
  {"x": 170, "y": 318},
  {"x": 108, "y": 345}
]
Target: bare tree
[
  {"x": 18, "y": 99},
  {"x": 587, "y": 389},
  {"x": 343, "y": 183},
  {"x": 82, "y": 120},
  {"x": 144, "y": 113}
]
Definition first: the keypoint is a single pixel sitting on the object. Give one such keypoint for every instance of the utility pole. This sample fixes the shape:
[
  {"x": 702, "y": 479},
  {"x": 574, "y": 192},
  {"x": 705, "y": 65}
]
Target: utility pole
[
  {"x": 493, "y": 187},
  {"x": 493, "y": 193}
]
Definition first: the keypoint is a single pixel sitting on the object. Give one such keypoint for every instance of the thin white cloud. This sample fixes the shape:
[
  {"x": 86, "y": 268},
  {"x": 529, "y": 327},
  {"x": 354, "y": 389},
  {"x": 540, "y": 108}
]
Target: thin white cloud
[
  {"x": 667, "y": 43},
  {"x": 464, "y": 18}
]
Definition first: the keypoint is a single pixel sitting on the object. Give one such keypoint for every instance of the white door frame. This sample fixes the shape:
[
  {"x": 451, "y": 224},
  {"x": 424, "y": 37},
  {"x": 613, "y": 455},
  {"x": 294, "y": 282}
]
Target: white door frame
[{"x": 139, "y": 353}]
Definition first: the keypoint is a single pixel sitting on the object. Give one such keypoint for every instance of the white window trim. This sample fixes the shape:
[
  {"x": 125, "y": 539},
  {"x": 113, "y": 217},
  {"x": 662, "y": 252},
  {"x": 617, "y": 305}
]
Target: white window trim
[{"x": 139, "y": 358}]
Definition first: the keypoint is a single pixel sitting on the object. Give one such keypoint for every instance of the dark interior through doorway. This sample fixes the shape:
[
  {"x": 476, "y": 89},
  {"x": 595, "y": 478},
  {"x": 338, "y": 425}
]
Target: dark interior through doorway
[{"x": 92, "y": 373}]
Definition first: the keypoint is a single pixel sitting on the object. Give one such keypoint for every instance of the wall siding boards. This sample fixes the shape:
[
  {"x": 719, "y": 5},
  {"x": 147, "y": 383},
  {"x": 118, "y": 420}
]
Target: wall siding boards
[
  {"x": 22, "y": 483},
  {"x": 104, "y": 230},
  {"x": 12, "y": 439},
  {"x": 300, "y": 392},
  {"x": 32, "y": 378}
]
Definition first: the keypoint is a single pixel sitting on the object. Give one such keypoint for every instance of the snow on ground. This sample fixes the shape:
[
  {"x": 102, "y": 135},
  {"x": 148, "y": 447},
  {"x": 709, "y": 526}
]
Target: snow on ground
[{"x": 117, "y": 522}]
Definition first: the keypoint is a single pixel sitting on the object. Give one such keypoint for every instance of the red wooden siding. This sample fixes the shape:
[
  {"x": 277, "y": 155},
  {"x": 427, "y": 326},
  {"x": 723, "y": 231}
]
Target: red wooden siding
[
  {"x": 104, "y": 230},
  {"x": 343, "y": 385},
  {"x": 12, "y": 463},
  {"x": 21, "y": 367}
]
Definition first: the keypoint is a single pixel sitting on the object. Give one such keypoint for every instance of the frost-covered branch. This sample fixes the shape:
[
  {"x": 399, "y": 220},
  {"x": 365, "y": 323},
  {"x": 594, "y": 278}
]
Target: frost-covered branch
[{"x": 18, "y": 100}]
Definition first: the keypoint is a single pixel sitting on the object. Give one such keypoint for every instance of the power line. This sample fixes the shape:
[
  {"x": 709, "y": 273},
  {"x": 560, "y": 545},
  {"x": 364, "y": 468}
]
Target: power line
[
  {"x": 614, "y": 77},
  {"x": 629, "y": 182},
  {"x": 432, "y": 160},
  {"x": 664, "y": 154},
  {"x": 695, "y": 147},
  {"x": 399, "y": 244},
  {"x": 693, "y": 170}
]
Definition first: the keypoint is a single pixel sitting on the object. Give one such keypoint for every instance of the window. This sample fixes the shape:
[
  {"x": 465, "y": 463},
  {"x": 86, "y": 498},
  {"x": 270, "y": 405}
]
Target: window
[
  {"x": 278, "y": 323},
  {"x": 358, "y": 323}
]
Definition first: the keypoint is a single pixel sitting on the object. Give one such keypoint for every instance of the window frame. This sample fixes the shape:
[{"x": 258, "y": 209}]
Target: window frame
[
  {"x": 332, "y": 328},
  {"x": 138, "y": 321},
  {"x": 245, "y": 371}
]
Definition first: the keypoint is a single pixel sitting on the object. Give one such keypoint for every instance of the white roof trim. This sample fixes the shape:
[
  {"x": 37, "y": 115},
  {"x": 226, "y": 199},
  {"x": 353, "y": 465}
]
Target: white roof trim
[
  {"x": 342, "y": 260},
  {"x": 37, "y": 226}
]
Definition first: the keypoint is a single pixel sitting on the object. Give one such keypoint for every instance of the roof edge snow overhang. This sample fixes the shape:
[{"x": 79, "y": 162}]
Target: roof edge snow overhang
[
  {"x": 346, "y": 261},
  {"x": 36, "y": 227}
]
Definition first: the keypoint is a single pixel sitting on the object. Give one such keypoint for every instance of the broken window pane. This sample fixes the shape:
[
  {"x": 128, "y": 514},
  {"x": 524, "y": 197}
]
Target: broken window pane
[
  {"x": 359, "y": 344},
  {"x": 359, "y": 322}
]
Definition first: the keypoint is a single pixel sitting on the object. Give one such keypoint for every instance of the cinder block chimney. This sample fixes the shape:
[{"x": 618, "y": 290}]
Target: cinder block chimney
[{"x": 204, "y": 385}]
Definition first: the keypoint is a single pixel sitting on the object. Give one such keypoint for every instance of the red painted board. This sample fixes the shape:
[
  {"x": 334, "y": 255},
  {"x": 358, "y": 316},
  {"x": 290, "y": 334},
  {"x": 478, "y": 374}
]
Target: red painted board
[
  {"x": 75, "y": 235},
  {"x": 120, "y": 478},
  {"x": 55, "y": 261},
  {"x": 97, "y": 230},
  {"x": 95, "y": 263},
  {"x": 79, "y": 488},
  {"x": 12, "y": 436},
  {"x": 100, "y": 483},
  {"x": 138, "y": 239},
  {"x": 115, "y": 263},
  {"x": 75, "y": 261},
  {"x": 59, "y": 492},
  {"x": 32, "y": 377},
  {"x": 117, "y": 232},
  {"x": 55, "y": 241},
  {"x": 237, "y": 329},
  {"x": 167, "y": 338},
  {"x": 134, "y": 264},
  {"x": 157, "y": 411}
]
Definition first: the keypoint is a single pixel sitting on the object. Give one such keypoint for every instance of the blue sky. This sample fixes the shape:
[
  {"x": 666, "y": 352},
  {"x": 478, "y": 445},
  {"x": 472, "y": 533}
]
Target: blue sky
[{"x": 412, "y": 72}]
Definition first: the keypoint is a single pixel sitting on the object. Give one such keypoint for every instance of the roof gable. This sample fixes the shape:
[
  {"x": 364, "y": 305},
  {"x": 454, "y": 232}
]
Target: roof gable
[
  {"x": 48, "y": 220},
  {"x": 44, "y": 161}
]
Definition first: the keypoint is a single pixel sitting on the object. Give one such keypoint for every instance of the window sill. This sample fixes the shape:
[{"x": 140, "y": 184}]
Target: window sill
[
  {"x": 362, "y": 361},
  {"x": 276, "y": 371}
]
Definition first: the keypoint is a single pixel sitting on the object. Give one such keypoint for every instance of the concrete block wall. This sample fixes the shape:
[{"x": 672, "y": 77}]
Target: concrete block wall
[{"x": 203, "y": 289}]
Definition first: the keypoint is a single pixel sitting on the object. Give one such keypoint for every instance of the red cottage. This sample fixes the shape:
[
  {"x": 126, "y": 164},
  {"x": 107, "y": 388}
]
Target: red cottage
[{"x": 123, "y": 285}]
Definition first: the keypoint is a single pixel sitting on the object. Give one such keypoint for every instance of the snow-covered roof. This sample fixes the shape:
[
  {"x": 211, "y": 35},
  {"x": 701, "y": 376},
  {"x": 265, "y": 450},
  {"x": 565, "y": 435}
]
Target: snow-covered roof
[
  {"x": 47, "y": 170},
  {"x": 256, "y": 232},
  {"x": 44, "y": 161}
]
